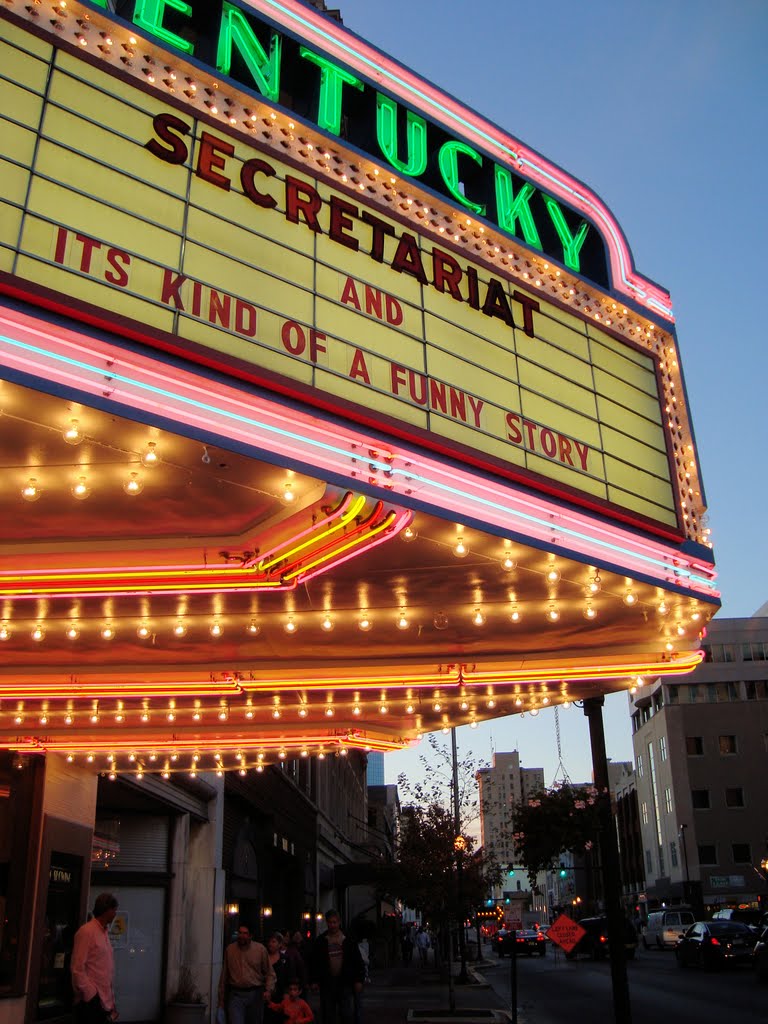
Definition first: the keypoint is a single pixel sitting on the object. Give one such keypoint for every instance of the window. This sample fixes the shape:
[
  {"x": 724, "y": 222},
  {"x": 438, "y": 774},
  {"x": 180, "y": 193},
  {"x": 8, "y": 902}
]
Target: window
[
  {"x": 673, "y": 854},
  {"x": 673, "y": 695},
  {"x": 693, "y": 693},
  {"x": 712, "y": 689},
  {"x": 741, "y": 853},
  {"x": 694, "y": 746},
  {"x": 668, "y": 799},
  {"x": 645, "y": 813},
  {"x": 648, "y": 862},
  {"x": 639, "y": 766},
  {"x": 700, "y": 799},
  {"x": 707, "y": 854},
  {"x": 663, "y": 748},
  {"x": 734, "y": 796},
  {"x": 727, "y": 744}
]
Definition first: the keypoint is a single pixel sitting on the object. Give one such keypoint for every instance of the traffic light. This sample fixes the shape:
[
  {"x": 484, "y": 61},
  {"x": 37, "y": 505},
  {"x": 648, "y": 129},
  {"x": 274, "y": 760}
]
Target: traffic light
[
  {"x": 507, "y": 900},
  {"x": 510, "y": 870},
  {"x": 563, "y": 870}
]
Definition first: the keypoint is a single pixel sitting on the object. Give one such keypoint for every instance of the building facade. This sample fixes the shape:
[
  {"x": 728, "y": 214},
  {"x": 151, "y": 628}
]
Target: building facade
[{"x": 701, "y": 751}]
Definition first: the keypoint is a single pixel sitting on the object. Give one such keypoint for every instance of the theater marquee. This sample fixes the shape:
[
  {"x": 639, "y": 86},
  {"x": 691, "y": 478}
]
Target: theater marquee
[{"x": 215, "y": 245}]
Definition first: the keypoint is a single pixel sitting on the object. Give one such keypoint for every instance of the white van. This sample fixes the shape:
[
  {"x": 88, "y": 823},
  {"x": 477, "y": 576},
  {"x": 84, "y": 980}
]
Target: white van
[{"x": 665, "y": 927}]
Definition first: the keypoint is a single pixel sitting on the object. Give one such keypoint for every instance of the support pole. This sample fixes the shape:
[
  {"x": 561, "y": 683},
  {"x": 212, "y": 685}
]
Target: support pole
[
  {"x": 593, "y": 709},
  {"x": 513, "y": 974},
  {"x": 462, "y": 978}
]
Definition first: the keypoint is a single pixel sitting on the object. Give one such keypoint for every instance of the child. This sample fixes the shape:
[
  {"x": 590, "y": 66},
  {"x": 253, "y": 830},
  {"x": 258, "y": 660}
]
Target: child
[{"x": 294, "y": 1009}]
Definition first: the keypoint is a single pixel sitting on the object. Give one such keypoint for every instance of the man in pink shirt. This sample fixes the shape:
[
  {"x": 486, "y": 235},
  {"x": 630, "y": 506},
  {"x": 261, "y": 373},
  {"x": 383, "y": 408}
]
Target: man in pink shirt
[{"x": 93, "y": 965}]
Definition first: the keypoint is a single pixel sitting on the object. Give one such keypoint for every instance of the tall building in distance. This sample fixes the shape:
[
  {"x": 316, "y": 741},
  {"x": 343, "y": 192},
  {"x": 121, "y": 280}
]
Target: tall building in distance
[
  {"x": 375, "y": 775},
  {"x": 700, "y": 747}
]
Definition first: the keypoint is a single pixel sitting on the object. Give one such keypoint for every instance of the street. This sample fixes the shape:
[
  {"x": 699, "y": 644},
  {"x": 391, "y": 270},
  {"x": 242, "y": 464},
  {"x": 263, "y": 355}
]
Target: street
[{"x": 552, "y": 989}]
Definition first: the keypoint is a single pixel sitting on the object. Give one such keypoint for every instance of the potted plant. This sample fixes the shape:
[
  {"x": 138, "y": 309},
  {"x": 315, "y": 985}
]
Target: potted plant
[{"x": 186, "y": 1005}]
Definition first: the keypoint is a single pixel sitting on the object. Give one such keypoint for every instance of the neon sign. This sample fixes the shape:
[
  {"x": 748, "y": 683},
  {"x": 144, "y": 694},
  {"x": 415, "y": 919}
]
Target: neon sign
[{"x": 247, "y": 48}]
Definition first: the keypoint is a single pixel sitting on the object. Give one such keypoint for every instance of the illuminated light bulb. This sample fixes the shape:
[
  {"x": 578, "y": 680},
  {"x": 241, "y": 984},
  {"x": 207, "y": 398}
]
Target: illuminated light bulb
[
  {"x": 139, "y": 774},
  {"x": 150, "y": 456},
  {"x": 119, "y": 718},
  {"x": 364, "y": 623},
  {"x": 288, "y": 494},
  {"x": 508, "y": 563},
  {"x": 222, "y": 715},
  {"x": 566, "y": 704},
  {"x": 107, "y": 633},
  {"x": 680, "y": 630},
  {"x": 71, "y": 434},
  {"x": 409, "y": 534},
  {"x": 144, "y": 716},
  {"x": 695, "y": 616},
  {"x": 180, "y": 629},
  {"x": 259, "y": 768},
  {"x": 630, "y": 597},
  {"x": 196, "y": 716},
  {"x": 220, "y": 772},
  {"x": 460, "y": 549},
  {"x": 171, "y": 716},
  {"x": 463, "y": 706},
  {"x": 195, "y": 758},
  {"x": 409, "y": 709},
  {"x": 73, "y": 632},
  {"x": 633, "y": 689},
  {"x": 43, "y": 719},
  {"x": 518, "y": 702},
  {"x": 473, "y": 724},
  {"x": 383, "y": 709},
  {"x": 343, "y": 751},
  {"x": 290, "y": 625},
  {"x": 663, "y": 608},
  {"x": 70, "y": 758},
  {"x": 445, "y": 730},
  {"x": 216, "y": 629},
  {"x": 534, "y": 712},
  {"x": 81, "y": 490},
  {"x": 153, "y": 757},
  {"x": 165, "y": 774},
  {"x": 553, "y": 575},
  {"x": 329, "y": 711},
  {"x": 143, "y": 632},
  {"x": 30, "y": 491},
  {"x": 253, "y": 628},
  {"x": 516, "y": 615},
  {"x": 590, "y": 612},
  {"x": 18, "y": 719},
  {"x": 281, "y": 754},
  {"x": 478, "y": 618},
  {"x": 402, "y": 621},
  {"x": 38, "y": 634},
  {"x": 545, "y": 700},
  {"x": 327, "y": 623},
  {"x": 553, "y": 614},
  {"x": 112, "y": 776},
  {"x": 133, "y": 485},
  {"x": 669, "y": 646},
  {"x": 491, "y": 703},
  {"x": 89, "y": 759},
  {"x": 594, "y": 584},
  {"x": 304, "y": 752},
  {"x": 68, "y": 720},
  {"x": 248, "y": 713},
  {"x": 5, "y": 633},
  {"x": 174, "y": 757},
  {"x": 94, "y": 719},
  {"x": 302, "y": 712},
  {"x": 437, "y": 706},
  {"x": 356, "y": 710},
  {"x": 276, "y": 713},
  {"x": 131, "y": 758}
]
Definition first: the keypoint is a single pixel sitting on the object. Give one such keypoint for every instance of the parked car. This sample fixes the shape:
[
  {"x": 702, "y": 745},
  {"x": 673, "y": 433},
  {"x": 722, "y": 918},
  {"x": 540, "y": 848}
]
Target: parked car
[
  {"x": 745, "y": 915},
  {"x": 666, "y": 927},
  {"x": 713, "y": 944},
  {"x": 527, "y": 940},
  {"x": 760, "y": 956},
  {"x": 594, "y": 942}
]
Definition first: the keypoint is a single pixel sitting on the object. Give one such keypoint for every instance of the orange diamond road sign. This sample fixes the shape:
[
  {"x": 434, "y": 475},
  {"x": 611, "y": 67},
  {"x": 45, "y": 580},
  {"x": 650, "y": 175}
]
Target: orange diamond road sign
[{"x": 565, "y": 932}]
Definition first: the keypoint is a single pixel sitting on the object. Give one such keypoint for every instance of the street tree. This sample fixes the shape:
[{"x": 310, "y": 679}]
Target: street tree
[{"x": 552, "y": 822}]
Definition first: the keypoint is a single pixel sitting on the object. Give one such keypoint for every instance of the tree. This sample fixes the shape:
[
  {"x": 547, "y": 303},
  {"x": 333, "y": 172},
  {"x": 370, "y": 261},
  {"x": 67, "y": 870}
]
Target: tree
[{"x": 553, "y": 822}]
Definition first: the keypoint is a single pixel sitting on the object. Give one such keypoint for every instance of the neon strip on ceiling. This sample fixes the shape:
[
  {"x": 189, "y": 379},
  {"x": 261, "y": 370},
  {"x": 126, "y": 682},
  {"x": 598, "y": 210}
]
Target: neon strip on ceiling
[{"x": 137, "y": 381}]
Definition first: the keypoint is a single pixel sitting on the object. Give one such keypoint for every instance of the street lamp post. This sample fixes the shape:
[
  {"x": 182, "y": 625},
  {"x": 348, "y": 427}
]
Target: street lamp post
[{"x": 685, "y": 857}]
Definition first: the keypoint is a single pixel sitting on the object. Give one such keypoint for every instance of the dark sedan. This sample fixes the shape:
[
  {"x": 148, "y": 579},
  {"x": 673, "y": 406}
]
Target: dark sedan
[
  {"x": 712, "y": 944},
  {"x": 760, "y": 956},
  {"x": 527, "y": 940}
]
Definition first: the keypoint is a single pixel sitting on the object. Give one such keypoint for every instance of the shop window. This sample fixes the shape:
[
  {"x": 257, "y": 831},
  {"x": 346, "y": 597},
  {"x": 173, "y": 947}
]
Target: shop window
[
  {"x": 20, "y": 790},
  {"x": 727, "y": 744},
  {"x": 742, "y": 853},
  {"x": 700, "y": 799},
  {"x": 694, "y": 746},
  {"x": 734, "y": 797},
  {"x": 707, "y": 854}
]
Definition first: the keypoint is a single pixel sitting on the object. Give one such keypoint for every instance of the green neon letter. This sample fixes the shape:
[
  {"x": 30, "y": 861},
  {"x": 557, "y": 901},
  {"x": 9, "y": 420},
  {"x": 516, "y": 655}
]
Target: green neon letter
[
  {"x": 510, "y": 208},
  {"x": 236, "y": 31},
  {"x": 332, "y": 78},
  {"x": 148, "y": 14},
  {"x": 449, "y": 168},
  {"x": 416, "y": 136},
  {"x": 571, "y": 243}
]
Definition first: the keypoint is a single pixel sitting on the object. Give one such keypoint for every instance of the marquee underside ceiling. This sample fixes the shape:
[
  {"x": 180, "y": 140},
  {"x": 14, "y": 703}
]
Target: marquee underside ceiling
[{"x": 175, "y": 691}]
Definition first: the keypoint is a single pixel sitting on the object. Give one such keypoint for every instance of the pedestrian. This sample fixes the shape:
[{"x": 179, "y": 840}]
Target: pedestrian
[
  {"x": 93, "y": 965},
  {"x": 281, "y": 967},
  {"x": 296, "y": 955},
  {"x": 247, "y": 979},
  {"x": 422, "y": 945},
  {"x": 406, "y": 944},
  {"x": 337, "y": 972},
  {"x": 292, "y": 1009}
]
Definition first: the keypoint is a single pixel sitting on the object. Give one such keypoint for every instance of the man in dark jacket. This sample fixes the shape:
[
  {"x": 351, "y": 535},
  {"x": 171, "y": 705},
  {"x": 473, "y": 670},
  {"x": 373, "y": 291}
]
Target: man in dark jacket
[{"x": 337, "y": 972}]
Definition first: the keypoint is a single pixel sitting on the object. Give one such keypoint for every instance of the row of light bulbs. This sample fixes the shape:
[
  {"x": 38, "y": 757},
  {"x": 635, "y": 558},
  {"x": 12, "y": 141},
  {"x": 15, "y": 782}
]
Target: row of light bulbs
[
  {"x": 365, "y": 624},
  {"x": 81, "y": 488}
]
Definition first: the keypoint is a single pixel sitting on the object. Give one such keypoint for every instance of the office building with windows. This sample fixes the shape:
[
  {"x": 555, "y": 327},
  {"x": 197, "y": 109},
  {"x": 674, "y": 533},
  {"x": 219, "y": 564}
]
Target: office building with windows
[{"x": 700, "y": 747}]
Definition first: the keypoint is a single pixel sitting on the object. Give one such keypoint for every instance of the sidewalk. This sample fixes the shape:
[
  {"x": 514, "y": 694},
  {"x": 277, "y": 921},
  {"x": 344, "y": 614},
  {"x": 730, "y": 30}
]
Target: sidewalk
[{"x": 401, "y": 994}]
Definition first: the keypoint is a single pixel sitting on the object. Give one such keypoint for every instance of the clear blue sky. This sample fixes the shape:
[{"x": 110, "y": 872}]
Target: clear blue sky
[{"x": 660, "y": 108}]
